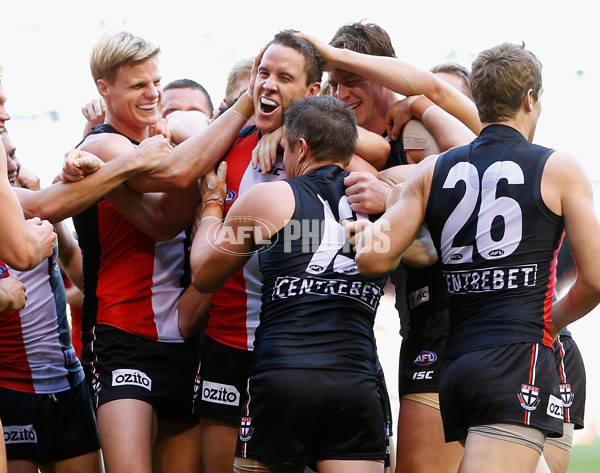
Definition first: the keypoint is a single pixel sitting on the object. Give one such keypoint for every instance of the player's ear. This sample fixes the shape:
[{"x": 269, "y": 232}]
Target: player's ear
[
  {"x": 102, "y": 86},
  {"x": 304, "y": 149},
  {"x": 529, "y": 100}
]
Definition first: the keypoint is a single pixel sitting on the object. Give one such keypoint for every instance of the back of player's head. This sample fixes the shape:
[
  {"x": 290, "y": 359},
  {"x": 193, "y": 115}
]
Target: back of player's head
[
  {"x": 500, "y": 78},
  {"x": 366, "y": 38},
  {"x": 327, "y": 125}
]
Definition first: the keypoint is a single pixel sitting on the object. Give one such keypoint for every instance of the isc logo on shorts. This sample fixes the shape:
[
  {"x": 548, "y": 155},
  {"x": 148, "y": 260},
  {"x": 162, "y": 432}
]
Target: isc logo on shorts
[
  {"x": 418, "y": 297},
  {"x": 220, "y": 393},
  {"x": 131, "y": 377},
  {"x": 19, "y": 434}
]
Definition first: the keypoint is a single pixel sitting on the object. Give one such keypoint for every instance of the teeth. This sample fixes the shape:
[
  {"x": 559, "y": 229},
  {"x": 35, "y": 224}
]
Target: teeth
[
  {"x": 147, "y": 107},
  {"x": 353, "y": 106},
  {"x": 268, "y": 102}
]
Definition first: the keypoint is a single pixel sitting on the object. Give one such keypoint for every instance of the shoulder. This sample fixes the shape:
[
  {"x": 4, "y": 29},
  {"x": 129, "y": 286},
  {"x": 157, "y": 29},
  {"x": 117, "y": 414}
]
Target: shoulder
[
  {"x": 264, "y": 195},
  {"x": 563, "y": 176},
  {"x": 271, "y": 202},
  {"x": 106, "y": 146}
]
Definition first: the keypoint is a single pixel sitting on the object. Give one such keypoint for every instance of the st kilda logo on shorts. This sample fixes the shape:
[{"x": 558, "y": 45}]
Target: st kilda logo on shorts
[
  {"x": 529, "y": 397},
  {"x": 246, "y": 429},
  {"x": 567, "y": 395}
]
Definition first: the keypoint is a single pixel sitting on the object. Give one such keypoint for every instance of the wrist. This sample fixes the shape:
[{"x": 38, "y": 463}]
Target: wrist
[
  {"x": 410, "y": 99},
  {"x": 212, "y": 208},
  {"x": 244, "y": 106},
  {"x": 427, "y": 111},
  {"x": 419, "y": 105},
  {"x": 387, "y": 198}
]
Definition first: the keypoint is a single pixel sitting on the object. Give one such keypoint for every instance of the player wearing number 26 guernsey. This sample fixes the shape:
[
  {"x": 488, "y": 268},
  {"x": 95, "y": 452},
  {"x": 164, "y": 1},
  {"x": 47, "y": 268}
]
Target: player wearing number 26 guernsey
[
  {"x": 497, "y": 240},
  {"x": 497, "y": 210}
]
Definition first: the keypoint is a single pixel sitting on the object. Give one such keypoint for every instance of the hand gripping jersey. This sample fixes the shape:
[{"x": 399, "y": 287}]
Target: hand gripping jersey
[
  {"x": 235, "y": 308},
  {"x": 317, "y": 309},
  {"x": 496, "y": 239},
  {"x": 132, "y": 282},
  {"x": 35, "y": 342}
]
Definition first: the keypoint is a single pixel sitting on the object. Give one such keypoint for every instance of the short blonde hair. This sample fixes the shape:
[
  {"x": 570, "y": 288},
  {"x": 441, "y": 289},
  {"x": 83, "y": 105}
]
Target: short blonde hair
[
  {"x": 240, "y": 71},
  {"x": 114, "y": 50}
]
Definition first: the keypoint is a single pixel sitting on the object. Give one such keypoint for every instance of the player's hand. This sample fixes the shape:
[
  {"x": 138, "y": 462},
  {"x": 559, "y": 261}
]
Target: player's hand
[
  {"x": 397, "y": 116},
  {"x": 161, "y": 127},
  {"x": 78, "y": 164},
  {"x": 94, "y": 112},
  {"x": 254, "y": 73},
  {"x": 45, "y": 234},
  {"x": 28, "y": 180},
  {"x": 12, "y": 293},
  {"x": 183, "y": 124},
  {"x": 366, "y": 193},
  {"x": 150, "y": 153},
  {"x": 353, "y": 230},
  {"x": 265, "y": 152},
  {"x": 213, "y": 186},
  {"x": 326, "y": 51}
]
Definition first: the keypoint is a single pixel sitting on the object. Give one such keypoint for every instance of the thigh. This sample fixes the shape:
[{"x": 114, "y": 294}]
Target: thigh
[
  {"x": 218, "y": 445},
  {"x": 127, "y": 429},
  {"x": 421, "y": 445},
  {"x": 178, "y": 447},
  {"x": 88, "y": 463},
  {"x": 497, "y": 456}
]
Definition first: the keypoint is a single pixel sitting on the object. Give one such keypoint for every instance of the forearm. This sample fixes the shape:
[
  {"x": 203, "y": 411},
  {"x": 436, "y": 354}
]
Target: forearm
[
  {"x": 20, "y": 248},
  {"x": 197, "y": 155},
  {"x": 579, "y": 301},
  {"x": 405, "y": 79},
  {"x": 160, "y": 215},
  {"x": 447, "y": 129},
  {"x": 421, "y": 252},
  {"x": 69, "y": 254},
  {"x": 381, "y": 247},
  {"x": 193, "y": 312},
  {"x": 396, "y": 174},
  {"x": 373, "y": 148},
  {"x": 215, "y": 256},
  {"x": 60, "y": 200}
]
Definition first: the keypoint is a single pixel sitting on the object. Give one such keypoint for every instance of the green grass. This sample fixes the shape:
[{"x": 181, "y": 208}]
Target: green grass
[{"x": 585, "y": 458}]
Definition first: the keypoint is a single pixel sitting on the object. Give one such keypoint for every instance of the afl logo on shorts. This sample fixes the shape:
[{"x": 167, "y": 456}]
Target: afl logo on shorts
[
  {"x": 132, "y": 378},
  {"x": 246, "y": 429},
  {"x": 425, "y": 358},
  {"x": 2, "y": 271},
  {"x": 529, "y": 397}
]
